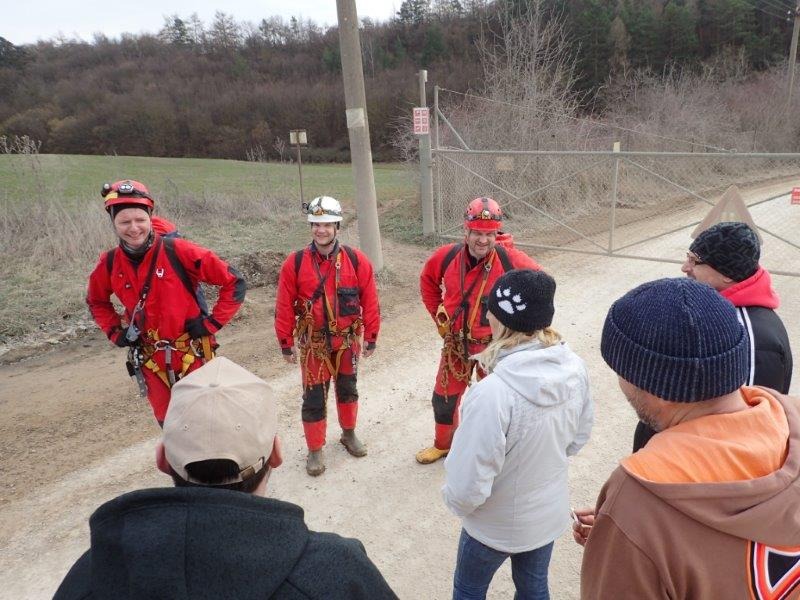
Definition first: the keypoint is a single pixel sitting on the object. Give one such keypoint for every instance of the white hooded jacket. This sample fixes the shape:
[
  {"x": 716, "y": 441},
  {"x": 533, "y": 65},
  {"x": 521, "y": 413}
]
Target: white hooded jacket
[{"x": 506, "y": 473}]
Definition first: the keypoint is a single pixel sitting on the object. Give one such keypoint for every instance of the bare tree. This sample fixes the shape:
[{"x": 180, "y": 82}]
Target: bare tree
[{"x": 529, "y": 72}]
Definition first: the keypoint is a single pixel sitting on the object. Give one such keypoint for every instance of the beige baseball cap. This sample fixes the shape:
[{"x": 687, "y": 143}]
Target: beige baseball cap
[{"x": 221, "y": 410}]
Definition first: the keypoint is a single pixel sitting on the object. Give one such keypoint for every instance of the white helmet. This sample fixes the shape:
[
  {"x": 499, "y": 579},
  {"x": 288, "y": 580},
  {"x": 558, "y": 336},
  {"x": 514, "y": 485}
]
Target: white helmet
[{"x": 324, "y": 209}]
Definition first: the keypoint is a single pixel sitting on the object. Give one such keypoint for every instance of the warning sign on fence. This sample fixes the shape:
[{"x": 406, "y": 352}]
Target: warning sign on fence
[
  {"x": 730, "y": 207},
  {"x": 421, "y": 121},
  {"x": 796, "y": 195}
]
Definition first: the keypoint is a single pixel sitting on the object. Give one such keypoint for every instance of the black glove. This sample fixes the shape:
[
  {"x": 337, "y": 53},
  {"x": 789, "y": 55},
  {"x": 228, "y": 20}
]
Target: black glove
[{"x": 196, "y": 328}]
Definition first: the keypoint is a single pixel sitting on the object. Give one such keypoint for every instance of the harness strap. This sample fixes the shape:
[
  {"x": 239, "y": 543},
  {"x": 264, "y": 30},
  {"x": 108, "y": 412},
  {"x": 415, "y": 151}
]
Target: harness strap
[
  {"x": 486, "y": 268},
  {"x": 191, "y": 350},
  {"x": 317, "y": 343}
]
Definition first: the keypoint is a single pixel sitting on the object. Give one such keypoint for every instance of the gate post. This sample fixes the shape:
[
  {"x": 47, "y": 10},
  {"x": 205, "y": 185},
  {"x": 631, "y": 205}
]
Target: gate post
[
  {"x": 614, "y": 190},
  {"x": 439, "y": 212},
  {"x": 425, "y": 161}
]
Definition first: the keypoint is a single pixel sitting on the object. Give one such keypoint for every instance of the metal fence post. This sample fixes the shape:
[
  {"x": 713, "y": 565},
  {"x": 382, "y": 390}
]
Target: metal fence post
[
  {"x": 614, "y": 189},
  {"x": 425, "y": 174},
  {"x": 439, "y": 210}
]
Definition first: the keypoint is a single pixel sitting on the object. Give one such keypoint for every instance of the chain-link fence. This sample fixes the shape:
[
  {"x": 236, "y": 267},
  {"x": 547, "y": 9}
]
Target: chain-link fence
[
  {"x": 636, "y": 205},
  {"x": 629, "y": 204}
]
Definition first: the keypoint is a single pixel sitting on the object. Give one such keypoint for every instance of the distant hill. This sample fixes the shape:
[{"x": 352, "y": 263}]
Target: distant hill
[{"x": 233, "y": 90}]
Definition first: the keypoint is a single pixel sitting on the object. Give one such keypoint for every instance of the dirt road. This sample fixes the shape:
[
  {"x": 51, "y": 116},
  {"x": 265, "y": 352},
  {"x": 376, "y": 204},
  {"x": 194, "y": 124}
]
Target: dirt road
[{"x": 74, "y": 434}]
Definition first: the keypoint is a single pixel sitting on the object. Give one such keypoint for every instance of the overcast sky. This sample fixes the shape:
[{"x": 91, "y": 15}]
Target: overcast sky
[{"x": 25, "y": 22}]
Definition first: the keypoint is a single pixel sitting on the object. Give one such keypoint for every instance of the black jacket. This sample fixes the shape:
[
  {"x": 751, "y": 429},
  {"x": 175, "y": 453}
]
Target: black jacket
[
  {"x": 771, "y": 355},
  {"x": 187, "y": 543}
]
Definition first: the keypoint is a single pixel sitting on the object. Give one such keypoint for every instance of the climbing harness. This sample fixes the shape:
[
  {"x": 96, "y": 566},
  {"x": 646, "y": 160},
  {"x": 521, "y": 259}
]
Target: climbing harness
[
  {"x": 143, "y": 349},
  {"x": 455, "y": 350},
  {"x": 317, "y": 342}
]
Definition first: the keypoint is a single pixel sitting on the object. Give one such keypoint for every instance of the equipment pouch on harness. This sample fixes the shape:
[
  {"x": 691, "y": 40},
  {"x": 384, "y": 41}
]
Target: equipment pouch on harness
[
  {"x": 349, "y": 304},
  {"x": 442, "y": 320}
]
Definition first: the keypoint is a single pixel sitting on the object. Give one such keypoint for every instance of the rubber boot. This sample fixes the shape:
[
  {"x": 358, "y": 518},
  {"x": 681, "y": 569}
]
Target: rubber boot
[
  {"x": 430, "y": 455},
  {"x": 443, "y": 436},
  {"x": 314, "y": 464},
  {"x": 352, "y": 443}
]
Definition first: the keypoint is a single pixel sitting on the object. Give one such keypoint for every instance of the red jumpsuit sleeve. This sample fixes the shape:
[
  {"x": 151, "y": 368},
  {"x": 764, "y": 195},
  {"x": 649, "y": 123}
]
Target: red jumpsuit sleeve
[
  {"x": 205, "y": 266},
  {"x": 284, "y": 303},
  {"x": 520, "y": 260},
  {"x": 368, "y": 297},
  {"x": 430, "y": 280},
  {"x": 98, "y": 298}
]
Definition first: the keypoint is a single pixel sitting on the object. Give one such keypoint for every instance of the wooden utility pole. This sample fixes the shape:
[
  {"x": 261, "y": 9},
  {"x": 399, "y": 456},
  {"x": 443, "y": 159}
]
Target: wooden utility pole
[
  {"x": 355, "y": 100},
  {"x": 793, "y": 56}
]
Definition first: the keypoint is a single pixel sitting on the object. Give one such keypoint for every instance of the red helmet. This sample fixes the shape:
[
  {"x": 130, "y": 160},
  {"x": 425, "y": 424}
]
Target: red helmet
[
  {"x": 127, "y": 191},
  {"x": 483, "y": 214}
]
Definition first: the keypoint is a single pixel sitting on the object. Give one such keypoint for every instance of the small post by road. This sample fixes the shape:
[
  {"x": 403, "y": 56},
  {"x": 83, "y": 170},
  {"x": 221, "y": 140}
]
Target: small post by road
[
  {"x": 298, "y": 138},
  {"x": 793, "y": 56},
  {"x": 425, "y": 161},
  {"x": 355, "y": 99}
]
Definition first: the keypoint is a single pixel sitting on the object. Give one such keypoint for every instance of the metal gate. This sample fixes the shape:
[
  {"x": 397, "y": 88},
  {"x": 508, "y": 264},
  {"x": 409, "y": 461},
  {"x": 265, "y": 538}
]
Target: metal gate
[{"x": 641, "y": 205}]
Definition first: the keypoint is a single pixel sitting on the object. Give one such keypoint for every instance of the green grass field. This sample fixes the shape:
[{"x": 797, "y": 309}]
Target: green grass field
[{"x": 53, "y": 225}]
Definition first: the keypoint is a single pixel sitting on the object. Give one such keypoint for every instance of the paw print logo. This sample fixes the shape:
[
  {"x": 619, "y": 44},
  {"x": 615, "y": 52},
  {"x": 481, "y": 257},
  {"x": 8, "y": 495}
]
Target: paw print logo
[{"x": 508, "y": 302}]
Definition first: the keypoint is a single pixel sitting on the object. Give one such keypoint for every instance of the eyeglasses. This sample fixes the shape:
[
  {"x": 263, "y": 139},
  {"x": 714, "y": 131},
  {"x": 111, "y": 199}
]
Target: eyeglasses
[{"x": 694, "y": 260}]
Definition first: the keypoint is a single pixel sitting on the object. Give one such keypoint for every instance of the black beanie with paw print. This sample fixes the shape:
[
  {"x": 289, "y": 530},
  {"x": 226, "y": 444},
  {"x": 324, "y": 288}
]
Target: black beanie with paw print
[{"x": 522, "y": 300}]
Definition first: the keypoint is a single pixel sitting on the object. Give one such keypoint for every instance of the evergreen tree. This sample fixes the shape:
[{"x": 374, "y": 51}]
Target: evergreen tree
[
  {"x": 175, "y": 31},
  {"x": 414, "y": 12},
  {"x": 735, "y": 22},
  {"x": 646, "y": 46},
  {"x": 434, "y": 47},
  {"x": 592, "y": 28},
  {"x": 678, "y": 33}
]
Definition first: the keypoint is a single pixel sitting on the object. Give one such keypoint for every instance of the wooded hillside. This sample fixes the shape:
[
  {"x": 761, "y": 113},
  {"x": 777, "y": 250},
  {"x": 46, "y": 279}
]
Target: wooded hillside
[{"x": 233, "y": 90}]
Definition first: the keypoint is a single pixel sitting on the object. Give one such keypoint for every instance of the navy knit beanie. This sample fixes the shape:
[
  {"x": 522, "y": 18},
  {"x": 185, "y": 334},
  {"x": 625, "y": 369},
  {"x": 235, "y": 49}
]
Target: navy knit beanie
[
  {"x": 677, "y": 339},
  {"x": 730, "y": 248},
  {"x": 522, "y": 300}
]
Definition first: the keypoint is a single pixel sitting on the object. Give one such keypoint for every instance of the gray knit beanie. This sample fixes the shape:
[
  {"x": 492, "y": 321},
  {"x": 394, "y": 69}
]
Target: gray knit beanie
[{"x": 677, "y": 339}]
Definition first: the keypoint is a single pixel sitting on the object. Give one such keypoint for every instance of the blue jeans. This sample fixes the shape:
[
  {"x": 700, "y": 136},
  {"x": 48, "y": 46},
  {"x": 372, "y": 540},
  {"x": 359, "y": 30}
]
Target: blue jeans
[{"x": 477, "y": 564}]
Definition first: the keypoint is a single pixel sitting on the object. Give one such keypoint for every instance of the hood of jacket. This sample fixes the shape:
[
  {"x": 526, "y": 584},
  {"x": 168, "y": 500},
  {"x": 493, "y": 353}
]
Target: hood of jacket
[
  {"x": 194, "y": 542},
  {"x": 760, "y": 508},
  {"x": 531, "y": 370},
  {"x": 756, "y": 290}
]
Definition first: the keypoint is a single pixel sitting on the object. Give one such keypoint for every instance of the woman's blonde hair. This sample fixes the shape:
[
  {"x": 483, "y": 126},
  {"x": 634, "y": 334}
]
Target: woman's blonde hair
[{"x": 508, "y": 338}]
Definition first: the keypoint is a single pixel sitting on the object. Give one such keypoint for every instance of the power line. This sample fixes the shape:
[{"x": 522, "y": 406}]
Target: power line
[
  {"x": 771, "y": 14},
  {"x": 775, "y": 9},
  {"x": 779, "y": 6}
]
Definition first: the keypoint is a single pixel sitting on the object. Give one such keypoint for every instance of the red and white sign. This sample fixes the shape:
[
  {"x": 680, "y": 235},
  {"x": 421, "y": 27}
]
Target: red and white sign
[
  {"x": 421, "y": 121},
  {"x": 796, "y": 195}
]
